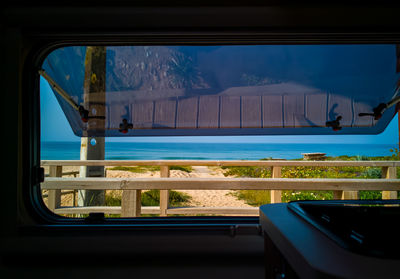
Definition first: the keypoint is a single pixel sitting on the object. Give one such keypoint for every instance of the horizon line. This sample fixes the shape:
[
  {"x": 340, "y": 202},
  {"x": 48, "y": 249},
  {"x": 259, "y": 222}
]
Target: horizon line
[{"x": 245, "y": 142}]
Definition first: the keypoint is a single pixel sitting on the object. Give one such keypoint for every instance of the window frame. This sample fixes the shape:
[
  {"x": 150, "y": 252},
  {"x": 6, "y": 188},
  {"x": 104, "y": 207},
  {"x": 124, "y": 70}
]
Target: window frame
[{"x": 33, "y": 202}]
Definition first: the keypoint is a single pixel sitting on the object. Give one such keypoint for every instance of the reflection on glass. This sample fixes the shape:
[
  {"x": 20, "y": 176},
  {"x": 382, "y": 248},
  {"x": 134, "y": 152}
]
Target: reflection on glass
[{"x": 172, "y": 90}]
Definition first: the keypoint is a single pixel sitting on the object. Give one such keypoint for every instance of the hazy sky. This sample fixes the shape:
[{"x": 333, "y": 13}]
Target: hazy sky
[{"x": 55, "y": 127}]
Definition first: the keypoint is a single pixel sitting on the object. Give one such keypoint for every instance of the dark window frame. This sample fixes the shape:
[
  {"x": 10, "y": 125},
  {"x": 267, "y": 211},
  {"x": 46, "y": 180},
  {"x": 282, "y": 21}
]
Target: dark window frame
[{"x": 31, "y": 193}]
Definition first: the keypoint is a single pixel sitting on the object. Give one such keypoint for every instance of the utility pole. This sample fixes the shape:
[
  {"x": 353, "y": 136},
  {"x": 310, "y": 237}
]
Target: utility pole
[
  {"x": 398, "y": 125},
  {"x": 92, "y": 148},
  {"x": 398, "y": 87}
]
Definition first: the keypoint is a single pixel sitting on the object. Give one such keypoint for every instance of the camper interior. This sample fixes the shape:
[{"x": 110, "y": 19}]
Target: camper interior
[{"x": 193, "y": 84}]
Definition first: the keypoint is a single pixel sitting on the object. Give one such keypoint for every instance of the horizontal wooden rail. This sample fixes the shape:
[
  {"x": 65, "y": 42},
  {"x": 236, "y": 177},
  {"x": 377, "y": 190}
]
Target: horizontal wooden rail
[
  {"x": 74, "y": 173},
  {"x": 88, "y": 209},
  {"x": 235, "y": 163},
  {"x": 62, "y": 193},
  {"x": 103, "y": 209},
  {"x": 220, "y": 184},
  {"x": 156, "y": 210},
  {"x": 213, "y": 210}
]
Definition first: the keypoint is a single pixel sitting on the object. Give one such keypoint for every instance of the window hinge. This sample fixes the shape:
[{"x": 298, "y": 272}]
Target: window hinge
[{"x": 245, "y": 229}]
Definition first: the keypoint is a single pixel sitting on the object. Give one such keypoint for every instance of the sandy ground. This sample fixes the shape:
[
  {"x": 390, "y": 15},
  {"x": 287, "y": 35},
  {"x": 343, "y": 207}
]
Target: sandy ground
[{"x": 217, "y": 198}]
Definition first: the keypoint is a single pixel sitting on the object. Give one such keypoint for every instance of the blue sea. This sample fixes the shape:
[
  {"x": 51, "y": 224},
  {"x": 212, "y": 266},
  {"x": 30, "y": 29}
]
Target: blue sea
[{"x": 210, "y": 151}]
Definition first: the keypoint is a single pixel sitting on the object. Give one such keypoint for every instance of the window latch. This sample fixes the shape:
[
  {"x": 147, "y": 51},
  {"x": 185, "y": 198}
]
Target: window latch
[
  {"x": 38, "y": 175},
  {"x": 245, "y": 229},
  {"x": 95, "y": 218},
  {"x": 125, "y": 126},
  {"x": 335, "y": 124},
  {"x": 377, "y": 111}
]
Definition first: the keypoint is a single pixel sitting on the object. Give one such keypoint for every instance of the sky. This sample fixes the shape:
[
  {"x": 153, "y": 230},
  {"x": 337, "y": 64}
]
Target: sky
[{"x": 55, "y": 127}]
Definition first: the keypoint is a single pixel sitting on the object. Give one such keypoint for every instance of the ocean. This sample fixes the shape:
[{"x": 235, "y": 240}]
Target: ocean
[{"x": 210, "y": 151}]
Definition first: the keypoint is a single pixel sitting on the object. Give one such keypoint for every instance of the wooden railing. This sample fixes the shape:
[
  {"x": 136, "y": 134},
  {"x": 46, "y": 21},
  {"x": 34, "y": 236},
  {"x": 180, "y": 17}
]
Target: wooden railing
[{"x": 131, "y": 187}]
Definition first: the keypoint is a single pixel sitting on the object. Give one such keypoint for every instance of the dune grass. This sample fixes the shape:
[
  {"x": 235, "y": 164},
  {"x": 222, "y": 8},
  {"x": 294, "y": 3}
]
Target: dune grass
[
  {"x": 144, "y": 169},
  {"x": 149, "y": 198},
  {"x": 260, "y": 197}
]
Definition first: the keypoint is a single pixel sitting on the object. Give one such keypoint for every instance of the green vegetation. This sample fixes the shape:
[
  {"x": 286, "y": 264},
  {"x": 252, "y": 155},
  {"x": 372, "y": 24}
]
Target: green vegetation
[
  {"x": 254, "y": 197},
  {"x": 152, "y": 198},
  {"x": 143, "y": 169},
  {"x": 137, "y": 169},
  {"x": 113, "y": 198},
  {"x": 187, "y": 169},
  {"x": 259, "y": 197},
  {"x": 149, "y": 198},
  {"x": 248, "y": 172}
]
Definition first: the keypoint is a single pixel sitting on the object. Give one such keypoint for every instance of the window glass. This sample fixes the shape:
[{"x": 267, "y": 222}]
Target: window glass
[{"x": 104, "y": 108}]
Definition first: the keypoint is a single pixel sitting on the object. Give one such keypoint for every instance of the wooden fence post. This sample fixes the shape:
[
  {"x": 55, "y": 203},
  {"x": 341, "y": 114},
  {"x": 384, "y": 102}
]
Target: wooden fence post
[
  {"x": 131, "y": 203},
  {"x": 276, "y": 195},
  {"x": 389, "y": 173},
  {"x": 164, "y": 194},
  {"x": 350, "y": 195},
  {"x": 54, "y": 196},
  {"x": 337, "y": 195}
]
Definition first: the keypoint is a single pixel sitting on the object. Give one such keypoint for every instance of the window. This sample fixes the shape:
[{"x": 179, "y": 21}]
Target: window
[{"x": 111, "y": 93}]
